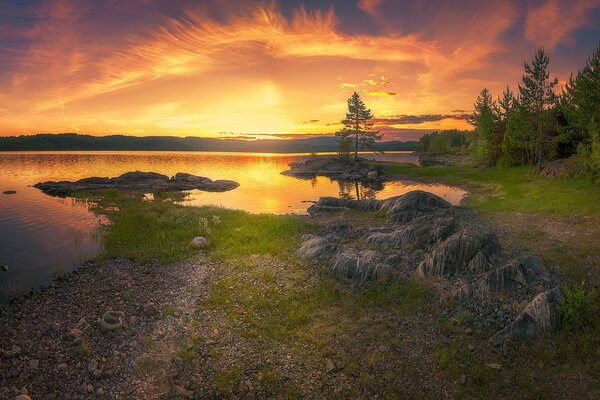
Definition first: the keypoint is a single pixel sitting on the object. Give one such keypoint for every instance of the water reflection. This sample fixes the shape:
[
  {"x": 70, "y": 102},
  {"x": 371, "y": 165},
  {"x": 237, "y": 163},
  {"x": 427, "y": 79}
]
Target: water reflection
[{"x": 39, "y": 233}]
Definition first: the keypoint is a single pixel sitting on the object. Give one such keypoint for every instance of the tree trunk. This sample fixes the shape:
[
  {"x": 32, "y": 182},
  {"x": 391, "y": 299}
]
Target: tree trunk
[{"x": 356, "y": 147}]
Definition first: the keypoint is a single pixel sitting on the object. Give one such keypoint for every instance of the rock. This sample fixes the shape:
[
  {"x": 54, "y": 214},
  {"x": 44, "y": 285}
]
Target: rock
[
  {"x": 151, "y": 310},
  {"x": 62, "y": 366},
  {"x": 383, "y": 348},
  {"x": 24, "y": 391},
  {"x": 557, "y": 168},
  {"x": 183, "y": 391},
  {"x": 403, "y": 208},
  {"x": 9, "y": 192},
  {"x": 4, "y": 267},
  {"x": 55, "y": 326},
  {"x": 200, "y": 241},
  {"x": 329, "y": 366},
  {"x": 443, "y": 160},
  {"x": 15, "y": 350},
  {"x": 474, "y": 249},
  {"x": 358, "y": 266},
  {"x": 527, "y": 270},
  {"x": 463, "y": 380},
  {"x": 22, "y": 397},
  {"x": 539, "y": 315},
  {"x": 139, "y": 182},
  {"x": 100, "y": 392},
  {"x": 316, "y": 248},
  {"x": 92, "y": 366},
  {"x": 112, "y": 320},
  {"x": 333, "y": 167},
  {"x": 372, "y": 175},
  {"x": 34, "y": 364},
  {"x": 74, "y": 335}
]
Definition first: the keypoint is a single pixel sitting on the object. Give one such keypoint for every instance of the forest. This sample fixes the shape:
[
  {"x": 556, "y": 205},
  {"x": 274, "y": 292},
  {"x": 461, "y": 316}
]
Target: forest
[{"x": 533, "y": 124}]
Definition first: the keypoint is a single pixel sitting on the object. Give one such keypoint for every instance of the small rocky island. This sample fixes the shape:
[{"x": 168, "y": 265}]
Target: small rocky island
[
  {"x": 138, "y": 182},
  {"x": 336, "y": 168}
]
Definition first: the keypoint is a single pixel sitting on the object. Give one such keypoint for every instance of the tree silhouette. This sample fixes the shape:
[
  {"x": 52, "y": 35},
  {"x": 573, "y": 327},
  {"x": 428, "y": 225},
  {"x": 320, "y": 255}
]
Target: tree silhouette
[{"x": 357, "y": 125}]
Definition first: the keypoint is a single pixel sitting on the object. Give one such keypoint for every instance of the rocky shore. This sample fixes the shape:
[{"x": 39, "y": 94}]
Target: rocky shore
[
  {"x": 426, "y": 236},
  {"x": 139, "y": 182},
  {"x": 444, "y": 160},
  {"x": 56, "y": 343}
]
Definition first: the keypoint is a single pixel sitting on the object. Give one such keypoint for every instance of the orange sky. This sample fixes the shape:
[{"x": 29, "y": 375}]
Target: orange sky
[{"x": 230, "y": 68}]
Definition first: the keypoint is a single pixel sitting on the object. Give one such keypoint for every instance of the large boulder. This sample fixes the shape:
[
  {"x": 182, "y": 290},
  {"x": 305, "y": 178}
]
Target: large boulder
[
  {"x": 526, "y": 270},
  {"x": 317, "y": 248},
  {"x": 541, "y": 314},
  {"x": 358, "y": 266},
  {"x": 407, "y": 206},
  {"x": 474, "y": 249}
]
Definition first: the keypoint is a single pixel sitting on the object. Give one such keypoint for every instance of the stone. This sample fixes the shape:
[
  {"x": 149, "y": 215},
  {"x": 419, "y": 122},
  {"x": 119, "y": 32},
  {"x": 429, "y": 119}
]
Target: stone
[
  {"x": 372, "y": 175},
  {"x": 92, "y": 366},
  {"x": 112, "y": 320},
  {"x": 22, "y": 397},
  {"x": 463, "y": 380},
  {"x": 199, "y": 241},
  {"x": 74, "y": 335},
  {"x": 539, "y": 315},
  {"x": 4, "y": 268},
  {"x": 15, "y": 350},
  {"x": 62, "y": 366},
  {"x": 34, "y": 364},
  {"x": 24, "y": 391},
  {"x": 329, "y": 365},
  {"x": 150, "y": 309},
  {"x": 9, "y": 192},
  {"x": 383, "y": 348},
  {"x": 358, "y": 266},
  {"x": 55, "y": 327},
  {"x": 180, "y": 390},
  {"x": 316, "y": 248}
]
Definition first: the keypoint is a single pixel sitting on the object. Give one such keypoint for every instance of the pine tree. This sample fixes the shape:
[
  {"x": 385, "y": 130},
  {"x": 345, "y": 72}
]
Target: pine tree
[
  {"x": 357, "y": 125},
  {"x": 536, "y": 97},
  {"x": 487, "y": 146}
]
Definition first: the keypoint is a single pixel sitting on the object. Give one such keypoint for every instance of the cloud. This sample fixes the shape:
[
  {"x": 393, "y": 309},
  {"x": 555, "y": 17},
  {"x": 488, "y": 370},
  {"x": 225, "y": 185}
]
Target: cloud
[
  {"x": 555, "y": 21},
  {"x": 381, "y": 93},
  {"x": 369, "y": 6},
  {"x": 308, "y": 122},
  {"x": 415, "y": 119}
]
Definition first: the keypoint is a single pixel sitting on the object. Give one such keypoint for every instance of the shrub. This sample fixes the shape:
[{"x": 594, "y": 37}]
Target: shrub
[{"x": 577, "y": 308}]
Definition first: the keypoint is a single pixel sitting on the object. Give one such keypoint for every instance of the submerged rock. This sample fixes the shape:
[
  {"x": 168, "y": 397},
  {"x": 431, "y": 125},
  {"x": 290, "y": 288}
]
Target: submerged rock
[{"x": 137, "y": 181}]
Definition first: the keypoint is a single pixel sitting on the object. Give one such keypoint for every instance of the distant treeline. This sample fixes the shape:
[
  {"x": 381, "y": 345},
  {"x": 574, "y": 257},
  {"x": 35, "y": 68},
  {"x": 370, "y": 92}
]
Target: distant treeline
[
  {"x": 74, "y": 142},
  {"x": 451, "y": 141}
]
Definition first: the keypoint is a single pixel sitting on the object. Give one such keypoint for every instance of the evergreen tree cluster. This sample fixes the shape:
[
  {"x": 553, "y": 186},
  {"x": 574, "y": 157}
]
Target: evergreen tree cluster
[
  {"x": 452, "y": 141},
  {"x": 536, "y": 125}
]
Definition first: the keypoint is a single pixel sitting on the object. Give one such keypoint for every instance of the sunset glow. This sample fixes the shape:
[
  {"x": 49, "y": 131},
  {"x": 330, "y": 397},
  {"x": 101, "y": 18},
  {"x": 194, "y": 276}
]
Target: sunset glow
[{"x": 271, "y": 68}]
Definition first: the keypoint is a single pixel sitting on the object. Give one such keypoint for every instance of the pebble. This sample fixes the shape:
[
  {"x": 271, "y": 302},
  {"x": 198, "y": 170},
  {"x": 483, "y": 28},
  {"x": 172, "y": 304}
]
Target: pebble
[
  {"x": 150, "y": 309},
  {"x": 16, "y": 350},
  {"x": 4, "y": 267},
  {"x": 463, "y": 380},
  {"x": 34, "y": 364},
  {"x": 183, "y": 391},
  {"x": 62, "y": 366},
  {"x": 329, "y": 365},
  {"x": 383, "y": 348},
  {"x": 22, "y": 397},
  {"x": 92, "y": 366}
]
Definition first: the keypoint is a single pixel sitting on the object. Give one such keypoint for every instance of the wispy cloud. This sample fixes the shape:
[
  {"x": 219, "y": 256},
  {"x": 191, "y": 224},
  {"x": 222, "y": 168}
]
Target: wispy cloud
[{"x": 555, "y": 21}]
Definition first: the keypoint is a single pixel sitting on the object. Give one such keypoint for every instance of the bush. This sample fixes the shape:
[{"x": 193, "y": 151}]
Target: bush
[
  {"x": 588, "y": 155},
  {"x": 577, "y": 308}
]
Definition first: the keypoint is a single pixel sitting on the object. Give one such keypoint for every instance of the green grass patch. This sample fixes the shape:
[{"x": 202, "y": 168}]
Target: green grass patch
[
  {"x": 510, "y": 189},
  {"x": 145, "y": 230}
]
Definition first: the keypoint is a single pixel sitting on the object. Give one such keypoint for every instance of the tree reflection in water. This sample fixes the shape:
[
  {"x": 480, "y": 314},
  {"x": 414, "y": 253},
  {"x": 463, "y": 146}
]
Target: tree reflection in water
[{"x": 359, "y": 190}]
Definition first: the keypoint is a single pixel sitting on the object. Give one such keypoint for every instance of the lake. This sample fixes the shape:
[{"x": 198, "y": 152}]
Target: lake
[{"x": 41, "y": 236}]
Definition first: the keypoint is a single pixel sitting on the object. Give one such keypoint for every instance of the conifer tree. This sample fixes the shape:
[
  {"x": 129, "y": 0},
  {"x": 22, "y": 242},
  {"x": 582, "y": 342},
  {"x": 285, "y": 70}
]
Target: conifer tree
[
  {"x": 536, "y": 97},
  {"x": 357, "y": 125},
  {"x": 484, "y": 120}
]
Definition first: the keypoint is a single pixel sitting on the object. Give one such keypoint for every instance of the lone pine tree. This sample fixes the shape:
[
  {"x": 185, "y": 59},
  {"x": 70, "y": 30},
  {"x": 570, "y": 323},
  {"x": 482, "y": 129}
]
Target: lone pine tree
[{"x": 357, "y": 126}]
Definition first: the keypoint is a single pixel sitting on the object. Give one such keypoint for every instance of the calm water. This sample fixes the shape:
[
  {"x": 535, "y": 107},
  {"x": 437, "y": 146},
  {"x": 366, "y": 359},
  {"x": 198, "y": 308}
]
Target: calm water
[{"x": 42, "y": 235}]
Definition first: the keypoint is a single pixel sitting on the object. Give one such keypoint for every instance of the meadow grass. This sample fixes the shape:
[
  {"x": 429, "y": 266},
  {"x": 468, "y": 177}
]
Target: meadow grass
[
  {"x": 145, "y": 230},
  {"x": 510, "y": 189}
]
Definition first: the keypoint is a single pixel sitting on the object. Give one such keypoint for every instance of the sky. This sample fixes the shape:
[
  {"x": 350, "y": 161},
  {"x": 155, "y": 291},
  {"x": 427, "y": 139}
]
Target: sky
[{"x": 264, "y": 69}]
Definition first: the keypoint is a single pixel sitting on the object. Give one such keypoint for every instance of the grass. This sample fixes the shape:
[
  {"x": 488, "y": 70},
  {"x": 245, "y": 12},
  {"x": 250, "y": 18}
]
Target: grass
[
  {"x": 510, "y": 189},
  {"x": 143, "y": 230}
]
